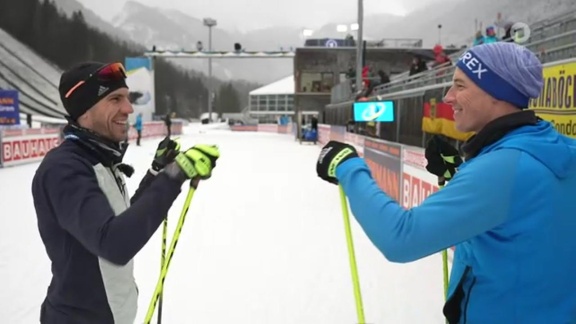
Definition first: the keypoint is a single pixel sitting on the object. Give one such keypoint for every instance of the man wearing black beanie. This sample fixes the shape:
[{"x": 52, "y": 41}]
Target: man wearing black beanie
[{"x": 90, "y": 226}]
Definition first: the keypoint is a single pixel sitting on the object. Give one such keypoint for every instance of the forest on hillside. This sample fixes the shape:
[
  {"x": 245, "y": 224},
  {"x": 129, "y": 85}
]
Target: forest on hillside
[{"x": 66, "y": 41}]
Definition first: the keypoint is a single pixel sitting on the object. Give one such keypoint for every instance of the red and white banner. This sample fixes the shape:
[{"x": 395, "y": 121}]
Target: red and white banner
[
  {"x": 155, "y": 129},
  {"x": 357, "y": 141},
  {"x": 323, "y": 134},
  {"x": 244, "y": 128},
  {"x": 269, "y": 128},
  {"x": 27, "y": 148},
  {"x": 20, "y": 146},
  {"x": 285, "y": 129},
  {"x": 417, "y": 182}
]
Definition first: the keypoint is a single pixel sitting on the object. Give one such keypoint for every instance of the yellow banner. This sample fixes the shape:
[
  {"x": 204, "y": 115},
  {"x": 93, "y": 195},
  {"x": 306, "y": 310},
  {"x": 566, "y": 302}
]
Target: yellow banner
[
  {"x": 557, "y": 102},
  {"x": 565, "y": 124}
]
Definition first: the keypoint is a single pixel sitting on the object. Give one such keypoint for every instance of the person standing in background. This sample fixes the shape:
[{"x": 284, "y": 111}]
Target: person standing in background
[
  {"x": 138, "y": 127},
  {"x": 168, "y": 123}
]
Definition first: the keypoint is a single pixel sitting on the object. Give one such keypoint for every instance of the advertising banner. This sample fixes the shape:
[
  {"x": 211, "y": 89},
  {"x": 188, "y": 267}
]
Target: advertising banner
[
  {"x": 323, "y": 134},
  {"x": 417, "y": 182},
  {"x": 338, "y": 133},
  {"x": 557, "y": 102},
  {"x": 156, "y": 129},
  {"x": 9, "y": 107},
  {"x": 244, "y": 128},
  {"x": 140, "y": 80},
  {"x": 25, "y": 146},
  {"x": 357, "y": 141},
  {"x": 283, "y": 129},
  {"x": 269, "y": 128},
  {"x": 384, "y": 160}
]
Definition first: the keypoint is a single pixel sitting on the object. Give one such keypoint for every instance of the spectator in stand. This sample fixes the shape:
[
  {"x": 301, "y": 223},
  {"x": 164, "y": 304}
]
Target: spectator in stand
[
  {"x": 440, "y": 57},
  {"x": 384, "y": 78},
  {"x": 479, "y": 39},
  {"x": 490, "y": 35},
  {"x": 418, "y": 65},
  {"x": 441, "y": 61},
  {"x": 509, "y": 33}
]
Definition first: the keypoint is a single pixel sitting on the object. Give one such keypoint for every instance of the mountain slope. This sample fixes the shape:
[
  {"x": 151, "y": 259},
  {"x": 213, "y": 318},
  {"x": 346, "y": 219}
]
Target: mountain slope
[
  {"x": 172, "y": 30},
  {"x": 92, "y": 19}
]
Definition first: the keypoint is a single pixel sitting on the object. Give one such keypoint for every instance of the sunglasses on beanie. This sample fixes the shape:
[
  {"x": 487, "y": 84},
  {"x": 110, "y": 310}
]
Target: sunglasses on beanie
[{"x": 109, "y": 72}]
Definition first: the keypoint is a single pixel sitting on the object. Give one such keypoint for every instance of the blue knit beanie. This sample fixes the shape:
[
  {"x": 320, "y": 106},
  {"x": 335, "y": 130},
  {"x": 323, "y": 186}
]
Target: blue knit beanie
[{"x": 507, "y": 71}]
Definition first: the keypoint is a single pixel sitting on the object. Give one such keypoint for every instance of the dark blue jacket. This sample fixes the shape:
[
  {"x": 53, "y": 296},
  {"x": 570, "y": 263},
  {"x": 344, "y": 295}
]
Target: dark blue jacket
[{"x": 92, "y": 231}]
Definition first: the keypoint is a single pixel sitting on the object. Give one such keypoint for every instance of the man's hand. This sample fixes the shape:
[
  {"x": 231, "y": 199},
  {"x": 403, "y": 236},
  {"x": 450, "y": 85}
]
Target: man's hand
[
  {"x": 332, "y": 155},
  {"x": 443, "y": 159},
  {"x": 198, "y": 161},
  {"x": 165, "y": 154}
]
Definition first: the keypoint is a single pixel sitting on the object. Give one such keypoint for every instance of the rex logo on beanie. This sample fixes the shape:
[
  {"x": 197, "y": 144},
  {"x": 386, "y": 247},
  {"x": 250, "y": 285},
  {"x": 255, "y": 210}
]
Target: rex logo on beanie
[{"x": 508, "y": 72}]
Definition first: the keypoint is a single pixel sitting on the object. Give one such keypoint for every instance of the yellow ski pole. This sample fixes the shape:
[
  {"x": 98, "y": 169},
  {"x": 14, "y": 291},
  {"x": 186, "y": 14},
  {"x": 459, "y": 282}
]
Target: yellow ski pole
[
  {"x": 160, "y": 283},
  {"x": 444, "y": 260},
  {"x": 352, "y": 257},
  {"x": 162, "y": 261},
  {"x": 445, "y": 270}
]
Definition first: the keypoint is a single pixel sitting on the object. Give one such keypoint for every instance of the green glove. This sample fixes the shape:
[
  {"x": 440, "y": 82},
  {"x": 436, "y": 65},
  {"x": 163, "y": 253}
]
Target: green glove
[{"x": 198, "y": 161}]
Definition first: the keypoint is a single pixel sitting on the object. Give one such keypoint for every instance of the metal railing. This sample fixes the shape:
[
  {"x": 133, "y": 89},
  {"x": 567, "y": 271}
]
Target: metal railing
[
  {"x": 342, "y": 92},
  {"x": 561, "y": 45},
  {"x": 396, "y": 43}
]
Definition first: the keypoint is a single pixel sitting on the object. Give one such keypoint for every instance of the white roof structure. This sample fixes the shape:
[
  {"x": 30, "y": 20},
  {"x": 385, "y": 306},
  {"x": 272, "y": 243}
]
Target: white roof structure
[
  {"x": 221, "y": 54},
  {"x": 282, "y": 86}
]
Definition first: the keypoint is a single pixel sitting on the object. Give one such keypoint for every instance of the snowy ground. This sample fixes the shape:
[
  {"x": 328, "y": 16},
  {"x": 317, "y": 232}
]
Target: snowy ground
[{"x": 263, "y": 243}]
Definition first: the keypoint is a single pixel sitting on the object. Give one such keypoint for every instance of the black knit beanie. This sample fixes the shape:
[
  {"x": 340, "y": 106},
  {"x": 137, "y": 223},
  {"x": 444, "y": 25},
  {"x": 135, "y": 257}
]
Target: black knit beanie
[{"x": 89, "y": 93}]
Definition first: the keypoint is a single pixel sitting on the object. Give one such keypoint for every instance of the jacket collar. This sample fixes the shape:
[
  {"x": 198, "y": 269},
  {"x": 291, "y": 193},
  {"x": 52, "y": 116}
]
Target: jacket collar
[
  {"x": 109, "y": 153},
  {"x": 495, "y": 130}
]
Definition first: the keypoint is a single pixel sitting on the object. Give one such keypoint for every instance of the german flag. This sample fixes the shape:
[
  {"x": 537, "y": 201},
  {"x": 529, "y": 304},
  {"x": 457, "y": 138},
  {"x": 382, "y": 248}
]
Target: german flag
[{"x": 438, "y": 118}]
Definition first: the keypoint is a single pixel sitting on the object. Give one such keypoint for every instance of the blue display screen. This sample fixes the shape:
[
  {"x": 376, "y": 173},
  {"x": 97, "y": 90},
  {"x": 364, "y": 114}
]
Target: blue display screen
[{"x": 375, "y": 111}]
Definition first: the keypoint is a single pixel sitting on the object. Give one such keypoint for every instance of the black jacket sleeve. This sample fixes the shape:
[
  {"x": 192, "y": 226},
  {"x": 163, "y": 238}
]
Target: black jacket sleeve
[
  {"x": 144, "y": 183},
  {"x": 82, "y": 209}
]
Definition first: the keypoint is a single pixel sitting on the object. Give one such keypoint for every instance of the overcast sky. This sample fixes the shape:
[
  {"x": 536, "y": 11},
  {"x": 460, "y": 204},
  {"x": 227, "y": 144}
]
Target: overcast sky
[{"x": 252, "y": 14}]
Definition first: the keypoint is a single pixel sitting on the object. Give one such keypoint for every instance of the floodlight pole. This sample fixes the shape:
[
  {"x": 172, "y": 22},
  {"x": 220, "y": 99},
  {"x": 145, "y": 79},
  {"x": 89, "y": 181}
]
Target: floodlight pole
[
  {"x": 359, "y": 45},
  {"x": 209, "y": 22}
]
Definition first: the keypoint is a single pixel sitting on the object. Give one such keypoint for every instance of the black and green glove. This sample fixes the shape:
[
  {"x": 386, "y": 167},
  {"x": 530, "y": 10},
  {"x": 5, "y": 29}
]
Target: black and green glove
[
  {"x": 198, "y": 161},
  {"x": 332, "y": 155},
  {"x": 165, "y": 154},
  {"x": 443, "y": 159}
]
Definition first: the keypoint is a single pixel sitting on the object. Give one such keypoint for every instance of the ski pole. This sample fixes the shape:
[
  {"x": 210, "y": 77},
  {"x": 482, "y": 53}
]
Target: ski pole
[
  {"x": 441, "y": 183},
  {"x": 160, "y": 283},
  {"x": 352, "y": 257},
  {"x": 162, "y": 260},
  {"x": 163, "y": 255},
  {"x": 445, "y": 270}
]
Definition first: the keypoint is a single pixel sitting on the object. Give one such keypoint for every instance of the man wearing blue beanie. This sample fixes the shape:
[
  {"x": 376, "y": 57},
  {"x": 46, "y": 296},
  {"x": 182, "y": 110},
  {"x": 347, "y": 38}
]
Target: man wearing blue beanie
[{"x": 508, "y": 210}]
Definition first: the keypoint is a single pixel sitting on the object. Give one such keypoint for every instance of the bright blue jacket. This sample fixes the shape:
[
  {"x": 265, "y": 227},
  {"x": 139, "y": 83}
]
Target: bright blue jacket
[
  {"x": 138, "y": 124},
  {"x": 510, "y": 212}
]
